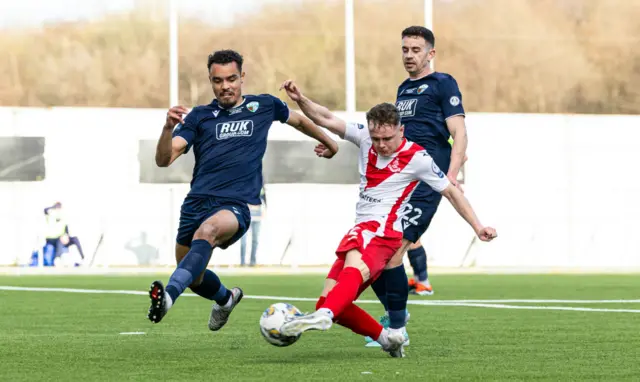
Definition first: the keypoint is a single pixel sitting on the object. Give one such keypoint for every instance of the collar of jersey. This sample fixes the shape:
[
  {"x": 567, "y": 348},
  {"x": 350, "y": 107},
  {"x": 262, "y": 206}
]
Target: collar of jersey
[
  {"x": 422, "y": 78},
  {"x": 216, "y": 104}
]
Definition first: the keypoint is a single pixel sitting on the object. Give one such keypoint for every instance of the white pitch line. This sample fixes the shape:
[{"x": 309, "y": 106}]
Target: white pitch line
[
  {"x": 495, "y": 304},
  {"x": 529, "y": 307},
  {"x": 71, "y": 290},
  {"x": 534, "y": 301},
  {"x": 450, "y": 302}
]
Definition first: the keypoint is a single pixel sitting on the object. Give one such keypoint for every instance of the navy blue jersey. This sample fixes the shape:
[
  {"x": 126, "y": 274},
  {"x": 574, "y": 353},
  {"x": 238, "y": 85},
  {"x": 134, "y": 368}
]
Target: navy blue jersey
[
  {"x": 228, "y": 145},
  {"x": 424, "y": 105}
]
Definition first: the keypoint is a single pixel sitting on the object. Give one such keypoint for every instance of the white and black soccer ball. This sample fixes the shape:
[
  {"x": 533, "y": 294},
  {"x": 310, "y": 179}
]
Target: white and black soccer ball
[{"x": 273, "y": 318}]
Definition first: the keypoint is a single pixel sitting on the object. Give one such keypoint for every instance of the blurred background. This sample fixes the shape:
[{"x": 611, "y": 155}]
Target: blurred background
[
  {"x": 512, "y": 56},
  {"x": 551, "y": 88}
]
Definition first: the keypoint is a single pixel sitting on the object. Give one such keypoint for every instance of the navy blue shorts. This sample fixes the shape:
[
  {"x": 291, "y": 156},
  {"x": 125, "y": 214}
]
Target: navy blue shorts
[
  {"x": 196, "y": 209},
  {"x": 420, "y": 211}
]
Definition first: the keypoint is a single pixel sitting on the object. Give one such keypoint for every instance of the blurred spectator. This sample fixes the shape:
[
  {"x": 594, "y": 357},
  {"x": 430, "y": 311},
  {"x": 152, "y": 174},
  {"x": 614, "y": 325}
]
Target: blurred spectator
[
  {"x": 57, "y": 235},
  {"x": 254, "y": 228}
]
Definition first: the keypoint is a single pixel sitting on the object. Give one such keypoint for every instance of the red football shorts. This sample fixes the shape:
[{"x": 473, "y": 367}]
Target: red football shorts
[{"x": 376, "y": 251}]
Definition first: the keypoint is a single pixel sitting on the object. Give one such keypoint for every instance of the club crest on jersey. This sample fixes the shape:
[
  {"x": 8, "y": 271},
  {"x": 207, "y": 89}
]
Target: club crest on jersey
[
  {"x": 253, "y": 106},
  {"x": 436, "y": 170},
  {"x": 228, "y": 130},
  {"x": 394, "y": 166},
  {"x": 422, "y": 88},
  {"x": 407, "y": 107},
  {"x": 454, "y": 101}
]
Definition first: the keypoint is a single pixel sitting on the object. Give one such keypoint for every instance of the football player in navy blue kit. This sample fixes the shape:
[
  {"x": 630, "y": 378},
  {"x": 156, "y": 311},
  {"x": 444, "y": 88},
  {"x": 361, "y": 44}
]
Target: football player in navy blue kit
[
  {"x": 430, "y": 105},
  {"x": 229, "y": 139}
]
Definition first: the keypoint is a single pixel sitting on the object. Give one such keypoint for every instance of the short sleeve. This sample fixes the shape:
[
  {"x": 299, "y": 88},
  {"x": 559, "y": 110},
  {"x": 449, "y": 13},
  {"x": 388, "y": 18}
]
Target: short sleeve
[
  {"x": 428, "y": 171},
  {"x": 355, "y": 133},
  {"x": 280, "y": 110},
  {"x": 187, "y": 130},
  {"x": 450, "y": 97}
]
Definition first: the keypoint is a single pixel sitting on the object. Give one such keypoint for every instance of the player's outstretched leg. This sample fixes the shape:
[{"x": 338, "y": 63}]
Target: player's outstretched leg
[
  {"x": 220, "y": 312},
  {"x": 349, "y": 281},
  {"x": 212, "y": 289},
  {"x": 216, "y": 230},
  {"x": 397, "y": 294},
  {"x": 340, "y": 297},
  {"x": 188, "y": 270},
  {"x": 419, "y": 284},
  {"x": 392, "y": 341},
  {"x": 159, "y": 305},
  {"x": 362, "y": 323},
  {"x": 380, "y": 288}
]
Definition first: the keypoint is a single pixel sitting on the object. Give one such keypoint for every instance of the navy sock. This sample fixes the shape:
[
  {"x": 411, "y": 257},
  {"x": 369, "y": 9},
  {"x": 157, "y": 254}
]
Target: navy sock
[
  {"x": 189, "y": 268},
  {"x": 212, "y": 288},
  {"x": 418, "y": 260},
  {"x": 380, "y": 288},
  {"x": 397, "y": 295}
]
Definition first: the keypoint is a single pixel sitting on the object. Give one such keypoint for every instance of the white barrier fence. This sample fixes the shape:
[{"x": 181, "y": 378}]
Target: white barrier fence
[{"x": 561, "y": 190}]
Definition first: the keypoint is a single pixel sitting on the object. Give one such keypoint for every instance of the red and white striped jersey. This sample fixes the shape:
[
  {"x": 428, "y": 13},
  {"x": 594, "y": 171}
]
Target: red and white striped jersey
[{"x": 386, "y": 183}]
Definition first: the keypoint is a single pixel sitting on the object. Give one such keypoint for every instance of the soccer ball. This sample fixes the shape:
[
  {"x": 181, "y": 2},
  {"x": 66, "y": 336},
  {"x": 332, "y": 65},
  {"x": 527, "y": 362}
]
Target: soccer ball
[{"x": 273, "y": 318}]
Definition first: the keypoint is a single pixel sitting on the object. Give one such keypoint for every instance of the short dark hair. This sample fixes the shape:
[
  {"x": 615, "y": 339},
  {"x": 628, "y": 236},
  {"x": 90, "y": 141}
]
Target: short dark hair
[
  {"x": 223, "y": 57},
  {"x": 418, "y": 31},
  {"x": 383, "y": 114}
]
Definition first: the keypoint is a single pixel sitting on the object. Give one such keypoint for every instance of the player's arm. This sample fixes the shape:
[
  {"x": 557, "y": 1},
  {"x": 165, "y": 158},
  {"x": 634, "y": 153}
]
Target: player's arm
[
  {"x": 319, "y": 114},
  {"x": 451, "y": 104},
  {"x": 307, "y": 127},
  {"x": 170, "y": 147},
  {"x": 458, "y": 131},
  {"x": 464, "y": 209},
  {"x": 428, "y": 172}
]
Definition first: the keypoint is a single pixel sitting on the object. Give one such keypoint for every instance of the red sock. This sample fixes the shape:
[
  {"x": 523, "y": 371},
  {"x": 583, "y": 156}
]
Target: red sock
[
  {"x": 345, "y": 291},
  {"x": 356, "y": 319},
  {"x": 360, "y": 322}
]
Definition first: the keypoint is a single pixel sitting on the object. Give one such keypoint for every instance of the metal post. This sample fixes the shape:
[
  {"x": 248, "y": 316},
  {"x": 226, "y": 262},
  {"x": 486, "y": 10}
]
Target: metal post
[{"x": 350, "y": 55}]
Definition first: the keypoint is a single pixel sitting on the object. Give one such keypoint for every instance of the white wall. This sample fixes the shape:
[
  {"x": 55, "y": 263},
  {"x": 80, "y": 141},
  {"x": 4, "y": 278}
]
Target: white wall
[{"x": 561, "y": 190}]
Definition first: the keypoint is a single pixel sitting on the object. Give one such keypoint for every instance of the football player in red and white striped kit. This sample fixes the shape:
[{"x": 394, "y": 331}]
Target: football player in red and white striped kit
[{"x": 390, "y": 169}]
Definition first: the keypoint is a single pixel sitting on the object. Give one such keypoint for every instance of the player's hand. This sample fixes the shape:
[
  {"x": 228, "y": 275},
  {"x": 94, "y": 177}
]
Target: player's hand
[
  {"x": 487, "y": 234},
  {"x": 64, "y": 239},
  {"x": 174, "y": 116},
  {"x": 293, "y": 91},
  {"x": 323, "y": 152}
]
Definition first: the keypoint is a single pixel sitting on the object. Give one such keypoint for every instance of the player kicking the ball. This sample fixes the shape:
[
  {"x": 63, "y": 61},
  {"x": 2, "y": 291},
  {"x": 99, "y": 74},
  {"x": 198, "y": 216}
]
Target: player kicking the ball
[{"x": 390, "y": 169}]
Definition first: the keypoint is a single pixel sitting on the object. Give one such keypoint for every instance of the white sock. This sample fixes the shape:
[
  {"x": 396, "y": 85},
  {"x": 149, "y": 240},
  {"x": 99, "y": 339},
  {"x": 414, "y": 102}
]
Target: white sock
[
  {"x": 326, "y": 311},
  {"x": 425, "y": 282},
  {"x": 383, "y": 339},
  {"x": 168, "y": 302},
  {"x": 229, "y": 302}
]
